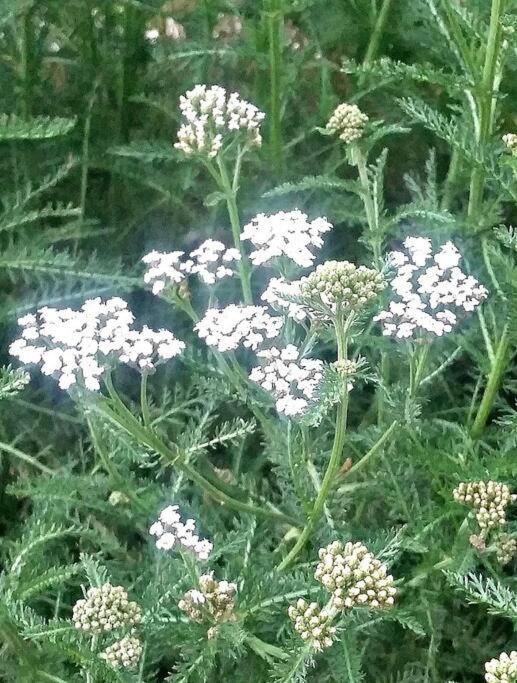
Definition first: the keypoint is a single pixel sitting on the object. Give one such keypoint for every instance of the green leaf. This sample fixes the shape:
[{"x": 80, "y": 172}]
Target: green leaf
[{"x": 13, "y": 127}]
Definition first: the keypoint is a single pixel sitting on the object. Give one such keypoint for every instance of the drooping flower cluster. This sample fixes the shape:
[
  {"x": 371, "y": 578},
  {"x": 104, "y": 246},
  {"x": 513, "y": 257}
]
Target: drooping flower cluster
[
  {"x": 211, "y": 261},
  {"x": 213, "y": 117},
  {"x": 313, "y": 623},
  {"x": 275, "y": 294},
  {"x": 228, "y": 328},
  {"x": 354, "y": 576},
  {"x": 78, "y": 346},
  {"x": 293, "y": 381},
  {"x": 170, "y": 530},
  {"x": 502, "y": 669},
  {"x": 124, "y": 653},
  {"x": 286, "y": 233},
  {"x": 347, "y": 121},
  {"x": 214, "y": 600},
  {"x": 340, "y": 284},
  {"x": 488, "y": 499},
  {"x": 510, "y": 140},
  {"x": 105, "y": 609},
  {"x": 431, "y": 290}
]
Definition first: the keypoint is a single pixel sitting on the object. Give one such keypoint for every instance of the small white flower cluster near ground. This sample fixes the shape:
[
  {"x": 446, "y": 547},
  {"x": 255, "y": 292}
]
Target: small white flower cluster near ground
[
  {"x": 503, "y": 669},
  {"x": 347, "y": 121},
  {"x": 313, "y": 623},
  {"x": 214, "y": 600},
  {"x": 510, "y": 140},
  {"x": 228, "y": 328},
  {"x": 286, "y": 233},
  {"x": 124, "y": 653},
  {"x": 105, "y": 609},
  {"x": 79, "y": 345},
  {"x": 293, "y": 381},
  {"x": 354, "y": 576},
  {"x": 431, "y": 290},
  {"x": 170, "y": 530},
  {"x": 213, "y": 117},
  {"x": 277, "y": 295},
  {"x": 211, "y": 261},
  {"x": 488, "y": 499}
]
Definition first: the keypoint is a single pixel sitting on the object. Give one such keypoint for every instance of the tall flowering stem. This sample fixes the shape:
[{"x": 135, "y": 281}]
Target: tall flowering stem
[
  {"x": 341, "y": 327},
  {"x": 230, "y": 188}
]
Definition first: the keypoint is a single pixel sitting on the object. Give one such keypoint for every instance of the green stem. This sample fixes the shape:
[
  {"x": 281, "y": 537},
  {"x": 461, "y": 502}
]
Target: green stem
[
  {"x": 372, "y": 217},
  {"x": 145, "y": 436},
  {"x": 349, "y": 669},
  {"x": 373, "y": 450},
  {"x": 25, "y": 458},
  {"x": 144, "y": 403},
  {"x": 375, "y": 38},
  {"x": 494, "y": 381},
  {"x": 341, "y": 330},
  {"x": 233, "y": 212},
  {"x": 275, "y": 25},
  {"x": 485, "y": 103}
]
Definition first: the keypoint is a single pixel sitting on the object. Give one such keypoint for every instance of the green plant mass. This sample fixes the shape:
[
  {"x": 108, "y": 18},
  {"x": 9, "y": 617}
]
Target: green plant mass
[{"x": 258, "y": 332}]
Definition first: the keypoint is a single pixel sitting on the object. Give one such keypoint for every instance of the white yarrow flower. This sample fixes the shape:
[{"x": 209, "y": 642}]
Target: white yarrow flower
[
  {"x": 228, "y": 328},
  {"x": 170, "y": 530},
  {"x": 277, "y": 289},
  {"x": 289, "y": 234},
  {"x": 431, "y": 291}
]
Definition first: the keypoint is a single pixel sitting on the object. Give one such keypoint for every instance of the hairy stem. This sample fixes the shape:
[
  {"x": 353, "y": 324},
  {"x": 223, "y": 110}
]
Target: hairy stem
[
  {"x": 341, "y": 329},
  {"x": 275, "y": 24},
  {"x": 378, "y": 29},
  {"x": 485, "y": 102},
  {"x": 494, "y": 380}
]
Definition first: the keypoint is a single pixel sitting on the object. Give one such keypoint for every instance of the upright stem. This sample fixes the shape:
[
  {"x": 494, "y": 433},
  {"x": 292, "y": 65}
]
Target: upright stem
[
  {"x": 485, "y": 100},
  {"x": 341, "y": 328},
  {"x": 375, "y": 38},
  {"x": 494, "y": 381},
  {"x": 230, "y": 192},
  {"x": 275, "y": 23}
]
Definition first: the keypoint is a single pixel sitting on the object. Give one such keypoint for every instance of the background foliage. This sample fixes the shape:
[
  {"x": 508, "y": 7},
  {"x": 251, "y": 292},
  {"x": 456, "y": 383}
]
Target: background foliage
[{"x": 91, "y": 182}]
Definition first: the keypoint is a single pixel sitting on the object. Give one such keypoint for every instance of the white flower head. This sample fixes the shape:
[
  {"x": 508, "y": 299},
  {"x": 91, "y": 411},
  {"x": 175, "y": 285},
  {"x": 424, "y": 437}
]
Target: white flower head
[
  {"x": 277, "y": 289},
  {"x": 213, "y": 117},
  {"x": 170, "y": 530},
  {"x": 163, "y": 270},
  {"x": 292, "y": 381},
  {"x": 236, "y": 325},
  {"x": 78, "y": 346},
  {"x": 286, "y": 233},
  {"x": 430, "y": 290},
  {"x": 211, "y": 261}
]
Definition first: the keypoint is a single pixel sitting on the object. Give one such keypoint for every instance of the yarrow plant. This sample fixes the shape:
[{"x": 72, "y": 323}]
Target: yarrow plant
[{"x": 340, "y": 425}]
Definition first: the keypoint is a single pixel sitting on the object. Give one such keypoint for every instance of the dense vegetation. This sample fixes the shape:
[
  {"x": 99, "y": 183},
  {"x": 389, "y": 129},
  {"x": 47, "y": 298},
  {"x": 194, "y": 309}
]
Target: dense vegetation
[{"x": 343, "y": 459}]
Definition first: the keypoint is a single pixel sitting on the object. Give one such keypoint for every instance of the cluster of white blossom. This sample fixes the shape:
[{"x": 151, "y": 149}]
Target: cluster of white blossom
[
  {"x": 510, "y": 140},
  {"x": 431, "y": 290},
  {"x": 502, "y": 669},
  {"x": 212, "y": 115},
  {"x": 79, "y": 345},
  {"x": 236, "y": 325},
  {"x": 275, "y": 294},
  {"x": 292, "y": 380},
  {"x": 169, "y": 530},
  {"x": 286, "y": 233},
  {"x": 211, "y": 261}
]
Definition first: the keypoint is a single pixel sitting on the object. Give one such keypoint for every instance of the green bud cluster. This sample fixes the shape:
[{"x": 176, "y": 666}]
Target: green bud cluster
[
  {"x": 105, "y": 609},
  {"x": 313, "y": 623},
  {"x": 354, "y": 576},
  {"x": 342, "y": 284},
  {"x": 347, "y": 121},
  {"x": 506, "y": 548},
  {"x": 124, "y": 653}
]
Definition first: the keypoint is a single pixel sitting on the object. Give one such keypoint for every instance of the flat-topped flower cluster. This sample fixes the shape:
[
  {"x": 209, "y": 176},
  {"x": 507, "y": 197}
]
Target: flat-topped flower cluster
[
  {"x": 171, "y": 530},
  {"x": 431, "y": 290},
  {"x": 211, "y": 261},
  {"x": 78, "y": 346},
  {"x": 212, "y": 117}
]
